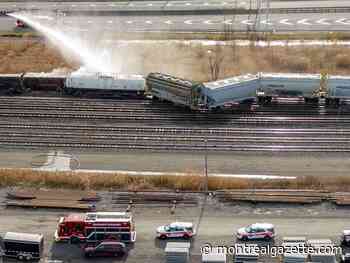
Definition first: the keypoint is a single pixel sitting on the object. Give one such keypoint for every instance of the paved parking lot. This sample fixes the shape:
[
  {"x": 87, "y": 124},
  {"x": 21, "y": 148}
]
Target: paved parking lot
[{"x": 216, "y": 225}]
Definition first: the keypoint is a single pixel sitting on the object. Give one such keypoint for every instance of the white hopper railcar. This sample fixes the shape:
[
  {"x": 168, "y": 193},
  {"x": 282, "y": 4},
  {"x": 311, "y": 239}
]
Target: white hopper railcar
[
  {"x": 273, "y": 85},
  {"x": 338, "y": 88},
  {"x": 227, "y": 92},
  {"x": 107, "y": 84}
]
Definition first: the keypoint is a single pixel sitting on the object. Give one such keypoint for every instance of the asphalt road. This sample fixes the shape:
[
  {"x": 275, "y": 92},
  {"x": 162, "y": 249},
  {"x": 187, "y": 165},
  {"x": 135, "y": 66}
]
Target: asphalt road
[
  {"x": 197, "y": 23},
  {"x": 277, "y": 164},
  {"x": 164, "y": 5},
  {"x": 216, "y": 225}
]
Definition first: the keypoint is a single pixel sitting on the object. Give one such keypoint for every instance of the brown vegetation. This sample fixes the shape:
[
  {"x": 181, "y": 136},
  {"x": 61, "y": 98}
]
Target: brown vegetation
[
  {"x": 188, "y": 61},
  {"x": 67, "y": 180},
  {"x": 29, "y": 55}
]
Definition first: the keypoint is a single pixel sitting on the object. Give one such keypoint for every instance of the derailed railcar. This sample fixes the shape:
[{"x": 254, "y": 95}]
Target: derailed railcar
[
  {"x": 176, "y": 90},
  {"x": 338, "y": 89},
  {"x": 228, "y": 92},
  {"x": 274, "y": 85}
]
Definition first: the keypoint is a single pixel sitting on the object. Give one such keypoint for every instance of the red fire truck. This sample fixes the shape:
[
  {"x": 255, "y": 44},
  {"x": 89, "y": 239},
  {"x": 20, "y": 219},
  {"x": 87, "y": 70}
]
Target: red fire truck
[{"x": 95, "y": 227}]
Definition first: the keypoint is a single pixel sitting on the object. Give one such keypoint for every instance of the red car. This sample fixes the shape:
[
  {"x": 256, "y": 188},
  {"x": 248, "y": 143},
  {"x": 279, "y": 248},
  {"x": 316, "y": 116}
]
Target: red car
[
  {"x": 106, "y": 249},
  {"x": 21, "y": 24}
]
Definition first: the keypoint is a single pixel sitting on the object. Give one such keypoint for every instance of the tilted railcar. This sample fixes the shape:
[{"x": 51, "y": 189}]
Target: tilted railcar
[
  {"x": 176, "y": 90},
  {"x": 228, "y": 92},
  {"x": 338, "y": 89}
]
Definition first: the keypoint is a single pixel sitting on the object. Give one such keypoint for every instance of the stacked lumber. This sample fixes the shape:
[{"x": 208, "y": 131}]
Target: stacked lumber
[{"x": 31, "y": 198}]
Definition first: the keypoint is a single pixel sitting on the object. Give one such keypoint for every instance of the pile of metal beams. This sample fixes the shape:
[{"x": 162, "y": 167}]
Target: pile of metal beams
[
  {"x": 272, "y": 196},
  {"x": 167, "y": 198},
  {"x": 78, "y": 200}
]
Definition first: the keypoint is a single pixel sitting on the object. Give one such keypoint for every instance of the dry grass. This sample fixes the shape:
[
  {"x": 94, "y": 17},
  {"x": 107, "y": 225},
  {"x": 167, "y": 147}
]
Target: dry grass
[
  {"x": 188, "y": 61},
  {"x": 29, "y": 55},
  {"x": 10, "y": 177}
]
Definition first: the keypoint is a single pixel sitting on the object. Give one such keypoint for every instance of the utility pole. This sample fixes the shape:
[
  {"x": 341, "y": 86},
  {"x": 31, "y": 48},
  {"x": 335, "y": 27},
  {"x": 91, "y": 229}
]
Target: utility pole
[{"x": 206, "y": 164}]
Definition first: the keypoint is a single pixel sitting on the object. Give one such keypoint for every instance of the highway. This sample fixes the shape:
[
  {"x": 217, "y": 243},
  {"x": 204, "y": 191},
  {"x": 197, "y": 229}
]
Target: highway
[
  {"x": 164, "y": 5},
  {"x": 197, "y": 23}
]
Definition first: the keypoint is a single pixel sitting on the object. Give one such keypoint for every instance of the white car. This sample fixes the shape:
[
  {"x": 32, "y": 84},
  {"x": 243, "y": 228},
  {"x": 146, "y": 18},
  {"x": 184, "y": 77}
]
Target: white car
[
  {"x": 256, "y": 231},
  {"x": 176, "y": 230},
  {"x": 345, "y": 238}
]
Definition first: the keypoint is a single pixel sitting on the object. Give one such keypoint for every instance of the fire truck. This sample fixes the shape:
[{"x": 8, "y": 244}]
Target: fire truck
[{"x": 95, "y": 227}]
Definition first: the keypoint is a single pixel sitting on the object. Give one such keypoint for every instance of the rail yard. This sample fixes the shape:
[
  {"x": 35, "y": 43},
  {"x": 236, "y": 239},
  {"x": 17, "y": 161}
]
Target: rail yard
[
  {"x": 145, "y": 125},
  {"x": 114, "y": 157}
]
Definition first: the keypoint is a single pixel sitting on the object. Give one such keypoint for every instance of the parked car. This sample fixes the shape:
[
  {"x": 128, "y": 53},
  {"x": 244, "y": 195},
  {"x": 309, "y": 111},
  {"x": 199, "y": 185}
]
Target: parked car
[
  {"x": 345, "y": 238},
  {"x": 23, "y": 246},
  {"x": 106, "y": 248},
  {"x": 177, "y": 229},
  {"x": 256, "y": 231}
]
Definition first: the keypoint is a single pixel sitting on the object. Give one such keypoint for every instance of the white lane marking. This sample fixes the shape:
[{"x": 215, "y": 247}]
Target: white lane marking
[
  {"x": 74, "y": 5},
  {"x": 266, "y": 22},
  {"x": 150, "y": 4},
  {"x": 208, "y": 22},
  {"x": 224, "y": 3},
  {"x": 152, "y": 173},
  {"x": 129, "y": 22},
  {"x": 188, "y": 22},
  {"x": 206, "y": 4},
  {"x": 188, "y": 4},
  {"x": 110, "y": 22},
  {"x": 14, "y": 5},
  {"x": 342, "y": 21},
  {"x": 247, "y": 22},
  {"x": 322, "y": 22},
  {"x": 285, "y": 22},
  {"x": 227, "y": 22},
  {"x": 304, "y": 22},
  {"x": 169, "y": 4},
  {"x": 112, "y": 5},
  {"x": 89, "y": 22},
  {"x": 168, "y": 22},
  {"x": 130, "y": 4},
  {"x": 92, "y": 5},
  {"x": 148, "y": 22}
]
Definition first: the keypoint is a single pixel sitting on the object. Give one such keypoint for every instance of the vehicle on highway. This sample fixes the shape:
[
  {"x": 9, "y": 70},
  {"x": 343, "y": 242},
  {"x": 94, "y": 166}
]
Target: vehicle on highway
[
  {"x": 23, "y": 246},
  {"x": 345, "y": 238},
  {"x": 107, "y": 248},
  {"x": 184, "y": 230},
  {"x": 95, "y": 227},
  {"x": 21, "y": 24},
  {"x": 264, "y": 231}
]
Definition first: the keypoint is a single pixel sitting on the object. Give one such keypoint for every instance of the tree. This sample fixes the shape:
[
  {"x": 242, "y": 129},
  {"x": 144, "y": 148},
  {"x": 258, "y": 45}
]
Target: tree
[{"x": 215, "y": 59}]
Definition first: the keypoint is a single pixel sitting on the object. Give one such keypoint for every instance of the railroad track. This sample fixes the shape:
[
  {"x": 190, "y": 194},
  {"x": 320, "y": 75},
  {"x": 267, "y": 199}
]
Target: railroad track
[{"x": 143, "y": 125}]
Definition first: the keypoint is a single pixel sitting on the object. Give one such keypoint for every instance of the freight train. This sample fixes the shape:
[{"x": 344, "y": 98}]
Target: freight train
[
  {"x": 216, "y": 95},
  {"x": 73, "y": 84}
]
